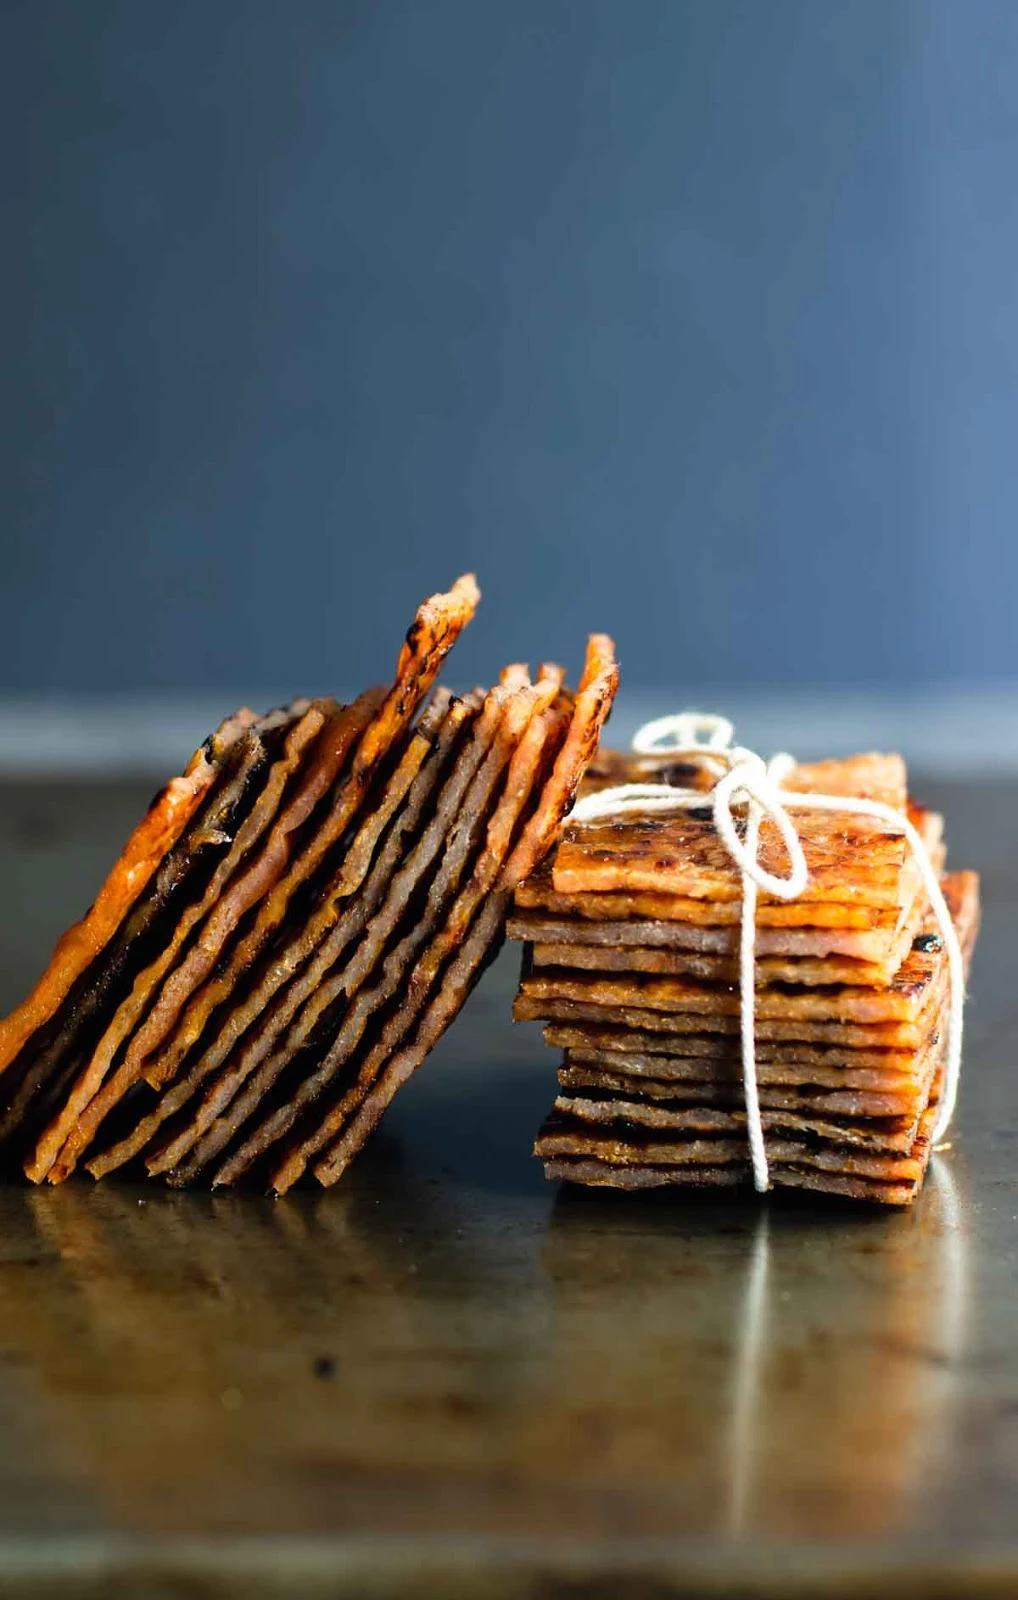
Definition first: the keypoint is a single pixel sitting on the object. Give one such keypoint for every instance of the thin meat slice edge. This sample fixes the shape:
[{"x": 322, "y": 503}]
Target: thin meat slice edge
[
  {"x": 211, "y": 828},
  {"x": 524, "y": 769},
  {"x": 592, "y": 706},
  {"x": 326, "y": 924},
  {"x": 437, "y": 625},
  {"x": 458, "y": 809},
  {"x": 514, "y": 708},
  {"x": 97, "y": 1092},
  {"x": 154, "y": 835}
]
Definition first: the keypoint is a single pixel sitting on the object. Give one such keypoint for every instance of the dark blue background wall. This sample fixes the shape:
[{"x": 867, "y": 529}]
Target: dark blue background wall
[{"x": 692, "y": 319}]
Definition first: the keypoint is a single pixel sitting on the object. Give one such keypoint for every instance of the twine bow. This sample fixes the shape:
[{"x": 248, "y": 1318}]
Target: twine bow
[{"x": 744, "y": 781}]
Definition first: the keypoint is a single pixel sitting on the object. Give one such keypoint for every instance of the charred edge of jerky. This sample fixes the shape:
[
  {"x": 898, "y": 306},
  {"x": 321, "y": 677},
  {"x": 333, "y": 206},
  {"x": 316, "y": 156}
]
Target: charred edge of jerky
[
  {"x": 256, "y": 928},
  {"x": 318, "y": 913},
  {"x": 612, "y": 856},
  {"x": 460, "y": 816},
  {"x": 435, "y": 629},
  {"x": 104, "y": 1083},
  {"x": 80, "y": 951},
  {"x": 662, "y": 910},
  {"x": 331, "y": 992},
  {"x": 294, "y": 823},
  {"x": 438, "y": 623},
  {"x": 185, "y": 869},
  {"x": 331, "y": 935}
]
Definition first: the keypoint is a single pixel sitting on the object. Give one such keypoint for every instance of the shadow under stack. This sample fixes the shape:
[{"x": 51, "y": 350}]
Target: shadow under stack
[{"x": 631, "y": 932}]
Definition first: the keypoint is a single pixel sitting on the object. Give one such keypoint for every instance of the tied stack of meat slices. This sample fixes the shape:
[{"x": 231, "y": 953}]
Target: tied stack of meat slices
[
  {"x": 294, "y": 924},
  {"x": 631, "y": 961}
]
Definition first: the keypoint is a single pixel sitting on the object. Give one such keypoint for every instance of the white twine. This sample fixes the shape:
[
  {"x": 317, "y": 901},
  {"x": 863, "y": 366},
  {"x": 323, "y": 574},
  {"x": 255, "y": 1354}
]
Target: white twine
[{"x": 744, "y": 779}]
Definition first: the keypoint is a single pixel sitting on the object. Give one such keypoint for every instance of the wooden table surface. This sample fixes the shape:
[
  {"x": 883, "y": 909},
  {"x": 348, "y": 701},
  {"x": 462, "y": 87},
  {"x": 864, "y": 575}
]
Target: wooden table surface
[{"x": 447, "y": 1378}]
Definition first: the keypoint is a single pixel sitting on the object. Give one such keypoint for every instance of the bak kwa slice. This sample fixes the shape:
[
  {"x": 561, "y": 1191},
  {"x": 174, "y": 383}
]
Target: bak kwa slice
[
  {"x": 659, "y": 1055},
  {"x": 728, "y": 1094},
  {"x": 406, "y": 962},
  {"x": 538, "y": 893},
  {"x": 900, "y": 1002},
  {"x": 592, "y": 1173},
  {"x": 629, "y": 956},
  {"x": 593, "y": 704},
  {"x": 57, "y": 1151},
  {"x": 457, "y": 933},
  {"x": 897, "y": 1191},
  {"x": 852, "y": 1036},
  {"x": 843, "y": 1151},
  {"x": 894, "y": 1133},
  {"x": 72, "y": 1036},
  {"x": 897, "y": 1097},
  {"x": 435, "y": 629},
  {"x": 159, "y": 829},
  {"x": 626, "y": 1146},
  {"x": 678, "y": 1030},
  {"x": 850, "y": 858},
  {"x": 95, "y": 1092},
  {"x": 181, "y": 875},
  {"x": 825, "y": 1159},
  {"x": 672, "y": 922},
  {"x": 339, "y": 917},
  {"x": 335, "y": 997},
  {"x": 356, "y": 747}
]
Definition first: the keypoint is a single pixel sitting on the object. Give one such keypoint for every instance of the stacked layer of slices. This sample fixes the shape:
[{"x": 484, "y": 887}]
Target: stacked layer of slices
[
  {"x": 294, "y": 924},
  {"x": 631, "y": 933}
]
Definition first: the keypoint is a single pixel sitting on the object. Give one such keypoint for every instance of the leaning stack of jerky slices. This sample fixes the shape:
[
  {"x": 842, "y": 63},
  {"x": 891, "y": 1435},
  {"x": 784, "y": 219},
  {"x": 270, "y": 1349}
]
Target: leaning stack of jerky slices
[
  {"x": 294, "y": 924},
  {"x": 631, "y": 960}
]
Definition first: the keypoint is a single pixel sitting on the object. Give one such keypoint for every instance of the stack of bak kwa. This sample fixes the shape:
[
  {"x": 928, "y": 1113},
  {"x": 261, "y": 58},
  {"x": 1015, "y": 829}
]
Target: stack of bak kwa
[
  {"x": 631, "y": 933},
  {"x": 295, "y": 922}
]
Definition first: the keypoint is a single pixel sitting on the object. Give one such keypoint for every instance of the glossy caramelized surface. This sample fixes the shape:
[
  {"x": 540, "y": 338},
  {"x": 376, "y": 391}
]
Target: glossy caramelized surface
[{"x": 851, "y": 859}]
